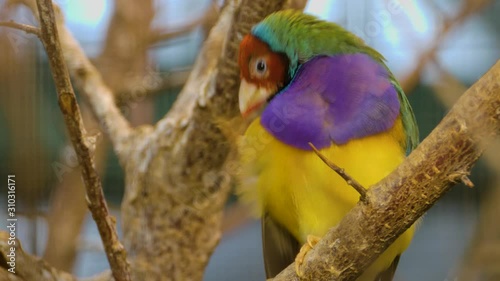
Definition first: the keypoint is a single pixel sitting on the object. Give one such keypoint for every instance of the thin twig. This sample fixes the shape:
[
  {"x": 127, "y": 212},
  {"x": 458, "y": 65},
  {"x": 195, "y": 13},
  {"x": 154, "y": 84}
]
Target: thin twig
[
  {"x": 29, "y": 29},
  {"x": 467, "y": 181},
  {"x": 106, "y": 224},
  {"x": 350, "y": 181},
  {"x": 90, "y": 84}
]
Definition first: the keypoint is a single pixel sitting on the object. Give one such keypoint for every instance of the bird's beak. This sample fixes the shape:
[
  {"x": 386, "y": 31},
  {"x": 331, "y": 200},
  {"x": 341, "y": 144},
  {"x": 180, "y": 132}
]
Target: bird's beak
[{"x": 252, "y": 97}]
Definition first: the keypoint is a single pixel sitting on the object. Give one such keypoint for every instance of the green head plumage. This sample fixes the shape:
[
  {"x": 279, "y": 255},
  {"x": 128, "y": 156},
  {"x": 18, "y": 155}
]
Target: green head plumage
[{"x": 302, "y": 36}]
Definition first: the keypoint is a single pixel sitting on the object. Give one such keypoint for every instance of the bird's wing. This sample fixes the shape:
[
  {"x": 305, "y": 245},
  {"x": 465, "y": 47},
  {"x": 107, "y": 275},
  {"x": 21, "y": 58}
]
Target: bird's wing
[
  {"x": 408, "y": 118},
  {"x": 333, "y": 99},
  {"x": 388, "y": 274},
  {"x": 280, "y": 247}
]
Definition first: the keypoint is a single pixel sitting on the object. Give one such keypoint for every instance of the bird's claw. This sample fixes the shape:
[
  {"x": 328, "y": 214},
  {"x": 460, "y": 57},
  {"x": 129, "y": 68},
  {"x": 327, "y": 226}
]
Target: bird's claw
[{"x": 299, "y": 259}]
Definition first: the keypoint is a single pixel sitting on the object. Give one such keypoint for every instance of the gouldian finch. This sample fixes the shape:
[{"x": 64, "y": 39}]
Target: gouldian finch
[{"x": 311, "y": 81}]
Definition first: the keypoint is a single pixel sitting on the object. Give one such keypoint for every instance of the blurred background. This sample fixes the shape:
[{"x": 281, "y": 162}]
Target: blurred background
[{"x": 436, "y": 49}]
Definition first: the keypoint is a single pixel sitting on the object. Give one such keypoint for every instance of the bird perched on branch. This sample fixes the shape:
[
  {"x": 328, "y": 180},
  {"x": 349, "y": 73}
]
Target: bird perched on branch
[{"x": 311, "y": 81}]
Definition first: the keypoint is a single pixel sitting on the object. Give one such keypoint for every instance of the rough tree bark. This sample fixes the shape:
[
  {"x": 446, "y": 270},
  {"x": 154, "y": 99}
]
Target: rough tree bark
[
  {"x": 187, "y": 201},
  {"x": 482, "y": 257},
  {"x": 28, "y": 268},
  {"x": 175, "y": 177},
  {"x": 176, "y": 185}
]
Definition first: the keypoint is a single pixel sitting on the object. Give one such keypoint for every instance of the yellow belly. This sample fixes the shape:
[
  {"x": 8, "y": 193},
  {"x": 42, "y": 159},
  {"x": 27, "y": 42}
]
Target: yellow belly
[{"x": 303, "y": 194}]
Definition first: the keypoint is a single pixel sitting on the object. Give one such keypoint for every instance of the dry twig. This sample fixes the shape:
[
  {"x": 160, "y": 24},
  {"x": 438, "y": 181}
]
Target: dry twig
[
  {"x": 350, "y": 181},
  {"x": 29, "y": 29},
  {"x": 67, "y": 101},
  {"x": 91, "y": 85}
]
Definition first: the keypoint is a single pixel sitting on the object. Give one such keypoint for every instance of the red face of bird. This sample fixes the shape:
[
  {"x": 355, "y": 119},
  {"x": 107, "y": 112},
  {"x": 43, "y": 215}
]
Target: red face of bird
[{"x": 263, "y": 73}]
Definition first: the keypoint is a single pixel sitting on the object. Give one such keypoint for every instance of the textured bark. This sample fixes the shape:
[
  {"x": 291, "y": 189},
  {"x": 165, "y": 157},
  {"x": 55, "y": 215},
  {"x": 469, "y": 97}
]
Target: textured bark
[
  {"x": 28, "y": 268},
  {"x": 176, "y": 181},
  {"x": 481, "y": 260},
  {"x": 396, "y": 202}
]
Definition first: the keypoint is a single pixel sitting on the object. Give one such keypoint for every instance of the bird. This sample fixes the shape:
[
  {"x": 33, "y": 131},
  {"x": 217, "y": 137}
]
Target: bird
[{"x": 306, "y": 81}]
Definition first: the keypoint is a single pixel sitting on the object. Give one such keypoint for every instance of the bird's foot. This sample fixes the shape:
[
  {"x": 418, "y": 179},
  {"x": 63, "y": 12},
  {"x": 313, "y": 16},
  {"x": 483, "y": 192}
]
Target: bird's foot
[{"x": 299, "y": 259}]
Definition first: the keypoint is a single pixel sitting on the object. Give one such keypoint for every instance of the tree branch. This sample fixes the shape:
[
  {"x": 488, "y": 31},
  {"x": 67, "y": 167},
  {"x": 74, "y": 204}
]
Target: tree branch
[
  {"x": 83, "y": 144},
  {"x": 29, "y": 29},
  {"x": 27, "y": 267},
  {"x": 481, "y": 256},
  {"x": 350, "y": 181},
  {"x": 90, "y": 84},
  {"x": 179, "y": 166},
  {"x": 401, "y": 198}
]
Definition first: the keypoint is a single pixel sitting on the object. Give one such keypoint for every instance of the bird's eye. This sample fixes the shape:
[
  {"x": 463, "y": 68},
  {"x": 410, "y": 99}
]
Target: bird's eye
[{"x": 260, "y": 68}]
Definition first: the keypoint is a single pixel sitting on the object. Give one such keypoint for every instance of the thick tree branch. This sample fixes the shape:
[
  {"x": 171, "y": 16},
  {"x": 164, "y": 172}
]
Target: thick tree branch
[
  {"x": 82, "y": 144},
  {"x": 483, "y": 253},
  {"x": 448, "y": 90},
  {"x": 27, "y": 267},
  {"x": 178, "y": 167},
  {"x": 401, "y": 198}
]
